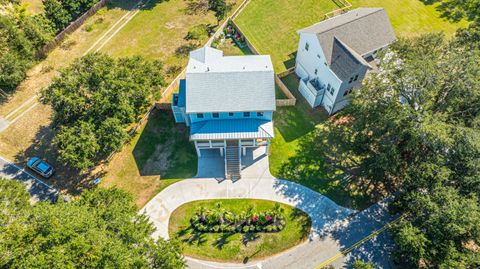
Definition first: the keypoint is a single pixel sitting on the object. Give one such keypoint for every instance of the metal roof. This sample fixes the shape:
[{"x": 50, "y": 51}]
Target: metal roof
[
  {"x": 231, "y": 129},
  {"x": 229, "y": 84},
  {"x": 363, "y": 30}
]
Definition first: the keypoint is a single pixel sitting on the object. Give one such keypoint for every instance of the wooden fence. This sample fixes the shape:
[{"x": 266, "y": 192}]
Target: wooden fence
[
  {"x": 346, "y": 6},
  {"x": 291, "y": 101},
  {"x": 72, "y": 27}
]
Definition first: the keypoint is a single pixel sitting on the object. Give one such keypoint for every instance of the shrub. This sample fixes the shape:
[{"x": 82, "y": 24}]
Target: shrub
[{"x": 246, "y": 229}]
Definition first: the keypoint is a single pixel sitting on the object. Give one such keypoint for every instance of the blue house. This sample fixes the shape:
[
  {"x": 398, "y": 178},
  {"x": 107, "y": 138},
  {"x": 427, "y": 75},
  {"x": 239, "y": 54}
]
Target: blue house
[
  {"x": 334, "y": 55},
  {"x": 228, "y": 104}
]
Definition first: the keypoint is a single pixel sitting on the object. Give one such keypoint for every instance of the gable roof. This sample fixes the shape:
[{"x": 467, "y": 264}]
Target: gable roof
[
  {"x": 215, "y": 83},
  {"x": 359, "y": 32}
]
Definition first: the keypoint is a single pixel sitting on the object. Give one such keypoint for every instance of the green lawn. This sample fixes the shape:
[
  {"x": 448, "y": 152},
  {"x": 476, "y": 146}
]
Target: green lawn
[
  {"x": 295, "y": 157},
  {"x": 271, "y": 25},
  {"x": 159, "y": 155},
  {"x": 237, "y": 247},
  {"x": 159, "y": 30}
]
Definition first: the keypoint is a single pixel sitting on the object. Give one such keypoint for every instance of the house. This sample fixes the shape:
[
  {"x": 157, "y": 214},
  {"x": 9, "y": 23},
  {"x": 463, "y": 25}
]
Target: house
[
  {"x": 228, "y": 103},
  {"x": 333, "y": 56}
]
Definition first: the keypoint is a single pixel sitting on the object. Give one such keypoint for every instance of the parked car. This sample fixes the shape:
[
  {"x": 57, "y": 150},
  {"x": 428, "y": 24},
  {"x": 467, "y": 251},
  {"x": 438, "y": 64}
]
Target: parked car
[{"x": 41, "y": 167}]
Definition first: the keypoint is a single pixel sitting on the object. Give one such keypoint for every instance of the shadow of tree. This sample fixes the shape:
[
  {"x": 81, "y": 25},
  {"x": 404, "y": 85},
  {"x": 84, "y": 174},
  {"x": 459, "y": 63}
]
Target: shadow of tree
[
  {"x": 249, "y": 237},
  {"x": 452, "y": 10},
  {"x": 196, "y": 238},
  {"x": 302, "y": 218},
  {"x": 222, "y": 240},
  {"x": 318, "y": 165},
  {"x": 163, "y": 148}
]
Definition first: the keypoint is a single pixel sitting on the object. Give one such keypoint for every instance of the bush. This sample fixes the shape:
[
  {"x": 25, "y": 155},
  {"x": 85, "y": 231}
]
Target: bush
[{"x": 246, "y": 229}]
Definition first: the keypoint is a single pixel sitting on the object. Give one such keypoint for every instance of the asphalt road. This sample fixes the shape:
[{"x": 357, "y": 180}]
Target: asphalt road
[{"x": 39, "y": 191}]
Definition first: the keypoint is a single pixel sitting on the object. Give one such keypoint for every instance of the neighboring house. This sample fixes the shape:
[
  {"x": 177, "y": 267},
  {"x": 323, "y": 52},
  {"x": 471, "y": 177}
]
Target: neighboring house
[
  {"x": 228, "y": 104},
  {"x": 333, "y": 56}
]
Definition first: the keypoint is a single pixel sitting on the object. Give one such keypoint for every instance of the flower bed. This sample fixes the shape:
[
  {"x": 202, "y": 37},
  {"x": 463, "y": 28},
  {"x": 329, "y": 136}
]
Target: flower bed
[
  {"x": 221, "y": 221},
  {"x": 231, "y": 31}
]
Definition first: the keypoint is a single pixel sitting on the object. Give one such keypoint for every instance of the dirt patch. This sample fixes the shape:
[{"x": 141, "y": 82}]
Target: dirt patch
[{"x": 159, "y": 162}]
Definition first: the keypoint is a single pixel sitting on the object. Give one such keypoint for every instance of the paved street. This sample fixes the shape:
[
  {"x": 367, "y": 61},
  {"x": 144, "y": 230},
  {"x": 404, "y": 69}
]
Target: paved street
[{"x": 39, "y": 191}]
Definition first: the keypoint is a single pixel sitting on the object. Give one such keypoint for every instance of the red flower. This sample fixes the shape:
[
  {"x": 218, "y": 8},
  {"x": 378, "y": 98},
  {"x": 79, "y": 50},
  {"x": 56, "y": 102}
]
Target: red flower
[
  {"x": 255, "y": 218},
  {"x": 268, "y": 218}
]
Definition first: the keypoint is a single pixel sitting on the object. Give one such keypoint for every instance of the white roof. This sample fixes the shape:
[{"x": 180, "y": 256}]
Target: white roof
[{"x": 215, "y": 83}]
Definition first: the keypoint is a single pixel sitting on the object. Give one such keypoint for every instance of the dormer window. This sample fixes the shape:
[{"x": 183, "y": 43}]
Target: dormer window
[
  {"x": 230, "y": 114},
  {"x": 200, "y": 115},
  {"x": 259, "y": 114},
  {"x": 307, "y": 46},
  {"x": 215, "y": 115},
  {"x": 246, "y": 114}
]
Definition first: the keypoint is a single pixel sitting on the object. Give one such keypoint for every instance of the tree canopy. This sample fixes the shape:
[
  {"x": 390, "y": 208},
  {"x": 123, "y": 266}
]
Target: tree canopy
[
  {"x": 21, "y": 36},
  {"x": 99, "y": 229},
  {"x": 95, "y": 100},
  {"x": 413, "y": 128}
]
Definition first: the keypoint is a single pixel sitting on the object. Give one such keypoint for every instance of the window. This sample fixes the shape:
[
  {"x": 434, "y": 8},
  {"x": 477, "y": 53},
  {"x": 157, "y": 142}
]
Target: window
[
  {"x": 230, "y": 114},
  {"x": 307, "y": 46},
  {"x": 356, "y": 77},
  {"x": 246, "y": 114},
  {"x": 351, "y": 80},
  {"x": 200, "y": 115},
  {"x": 215, "y": 115},
  {"x": 319, "y": 57},
  {"x": 316, "y": 71},
  {"x": 330, "y": 89},
  {"x": 259, "y": 114},
  {"x": 349, "y": 91}
]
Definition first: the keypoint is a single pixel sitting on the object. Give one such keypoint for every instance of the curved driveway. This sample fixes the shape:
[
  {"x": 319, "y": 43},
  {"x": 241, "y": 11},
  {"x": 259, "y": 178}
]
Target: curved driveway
[{"x": 322, "y": 210}]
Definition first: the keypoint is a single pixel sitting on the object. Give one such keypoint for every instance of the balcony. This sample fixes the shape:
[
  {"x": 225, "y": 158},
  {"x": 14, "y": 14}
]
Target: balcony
[{"x": 315, "y": 86}]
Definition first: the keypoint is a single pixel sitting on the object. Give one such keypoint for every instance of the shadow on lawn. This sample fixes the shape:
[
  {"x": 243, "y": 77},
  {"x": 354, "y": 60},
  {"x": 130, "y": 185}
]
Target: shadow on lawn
[
  {"x": 65, "y": 178},
  {"x": 317, "y": 166},
  {"x": 299, "y": 120},
  {"x": 451, "y": 10},
  {"x": 163, "y": 148},
  {"x": 129, "y": 5}
]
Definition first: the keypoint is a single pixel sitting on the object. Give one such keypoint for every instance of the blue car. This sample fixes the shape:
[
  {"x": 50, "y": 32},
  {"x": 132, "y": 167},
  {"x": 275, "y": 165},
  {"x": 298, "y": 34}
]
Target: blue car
[{"x": 41, "y": 167}]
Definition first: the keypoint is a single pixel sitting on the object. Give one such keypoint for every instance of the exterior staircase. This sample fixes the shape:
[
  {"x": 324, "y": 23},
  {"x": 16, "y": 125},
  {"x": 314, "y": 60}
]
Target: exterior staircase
[{"x": 232, "y": 161}]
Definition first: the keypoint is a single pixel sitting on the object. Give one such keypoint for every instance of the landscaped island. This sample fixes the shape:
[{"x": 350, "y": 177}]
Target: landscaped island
[{"x": 237, "y": 230}]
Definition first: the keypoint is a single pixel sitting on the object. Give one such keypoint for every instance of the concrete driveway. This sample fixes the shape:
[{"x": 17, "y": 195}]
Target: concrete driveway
[{"x": 334, "y": 228}]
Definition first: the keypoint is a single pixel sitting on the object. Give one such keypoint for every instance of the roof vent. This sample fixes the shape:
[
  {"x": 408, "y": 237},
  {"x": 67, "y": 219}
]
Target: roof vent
[
  {"x": 244, "y": 68},
  {"x": 208, "y": 68}
]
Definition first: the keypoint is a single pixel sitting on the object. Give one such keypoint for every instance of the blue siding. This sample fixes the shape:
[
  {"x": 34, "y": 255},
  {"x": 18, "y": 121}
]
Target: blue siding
[{"x": 237, "y": 115}]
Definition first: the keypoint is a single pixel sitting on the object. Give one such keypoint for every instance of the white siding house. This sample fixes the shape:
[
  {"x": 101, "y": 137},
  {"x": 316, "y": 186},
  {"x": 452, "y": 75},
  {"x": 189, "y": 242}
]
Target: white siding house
[{"x": 332, "y": 55}]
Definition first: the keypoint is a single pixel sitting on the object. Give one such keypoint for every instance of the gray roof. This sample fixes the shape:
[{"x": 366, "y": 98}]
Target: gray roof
[
  {"x": 229, "y": 84},
  {"x": 231, "y": 129},
  {"x": 345, "y": 61},
  {"x": 359, "y": 31}
]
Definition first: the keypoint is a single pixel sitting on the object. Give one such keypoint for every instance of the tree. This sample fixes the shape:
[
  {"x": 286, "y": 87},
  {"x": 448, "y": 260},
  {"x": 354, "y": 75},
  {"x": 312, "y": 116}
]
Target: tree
[
  {"x": 359, "y": 264},
  {"x": 413, "y": 128},
  {"x": 220, "y": 8},
  {"x": 100, "y": 229},
  {"x": 105, "y": 96},
  {"x": 77, "y": 145}
]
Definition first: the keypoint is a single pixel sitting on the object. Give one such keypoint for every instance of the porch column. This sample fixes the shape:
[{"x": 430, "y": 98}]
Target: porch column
[
  {"x": 197, "y": 149},
  {"x": 268, "y": 147},
  {"x": 244, "y": 149},
  {"x": 221, "y": 152}
]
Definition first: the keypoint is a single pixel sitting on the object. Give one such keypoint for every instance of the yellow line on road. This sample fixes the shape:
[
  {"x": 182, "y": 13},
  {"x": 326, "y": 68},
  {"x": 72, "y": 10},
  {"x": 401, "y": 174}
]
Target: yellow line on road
[{"x": 365, "y": 239}]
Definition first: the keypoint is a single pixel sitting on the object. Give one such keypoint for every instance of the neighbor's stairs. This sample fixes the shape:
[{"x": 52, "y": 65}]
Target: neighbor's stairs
[{"x": 232, "y": 158}]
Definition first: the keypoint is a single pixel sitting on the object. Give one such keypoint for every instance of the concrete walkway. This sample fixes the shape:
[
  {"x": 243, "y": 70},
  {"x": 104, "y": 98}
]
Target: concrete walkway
[
  {"x": 39, "y": 191},
  {"x": 322, "y": 210}
]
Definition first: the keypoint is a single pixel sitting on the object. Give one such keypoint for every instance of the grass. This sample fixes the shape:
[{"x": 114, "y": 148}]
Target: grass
[
  {"x": 159, "y": 155},
  {"x": 272, "y": 25},
  {"x": 295, "y": 157},
  {"x": 168, "y": 24},
  {"x": 155, "y": 38},
  {"x": 229, "y": 48},
  {"x": 34, "y": 6},
  {"x": 237, "y": 247}
]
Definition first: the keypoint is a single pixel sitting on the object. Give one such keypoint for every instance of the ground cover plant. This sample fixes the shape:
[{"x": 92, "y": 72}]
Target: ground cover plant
[
  {"x": 99, "y": 229},
  {"x": 237, "y": 246},
  {"x": 220, "y": 220}
]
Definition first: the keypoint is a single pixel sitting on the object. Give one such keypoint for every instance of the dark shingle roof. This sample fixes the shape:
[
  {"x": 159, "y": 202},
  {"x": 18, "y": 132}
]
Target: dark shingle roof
[{"x": 362, "y": 30}]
